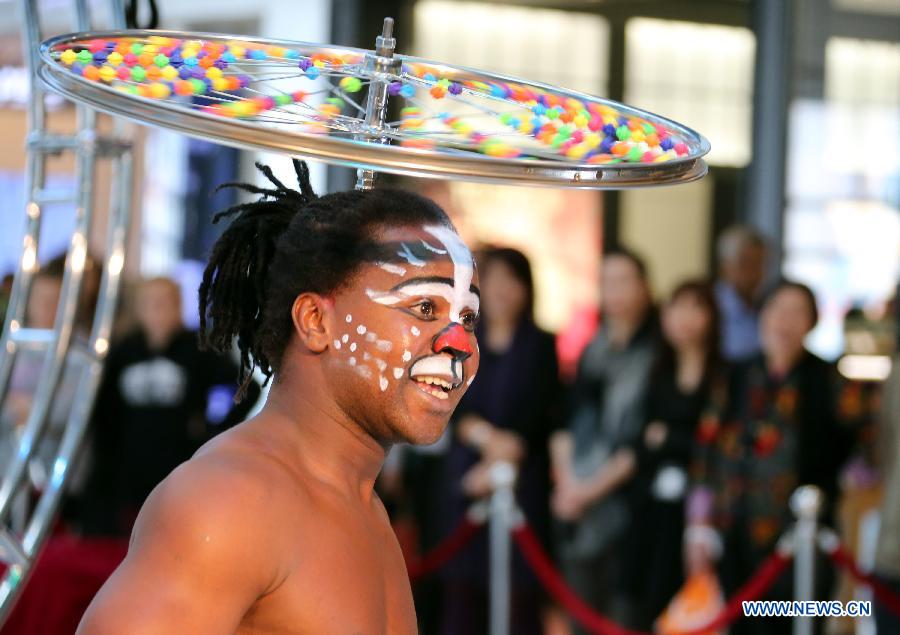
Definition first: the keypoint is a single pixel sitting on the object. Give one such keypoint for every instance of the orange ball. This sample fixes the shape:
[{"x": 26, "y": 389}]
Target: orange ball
[
  {"x": 91, "y": 72},
  {"x": 183, "y": 87},
  {"x": 146, "y": 59},
  {"x": 206, "y": 62},
  {"x": 153, "y": 72}
]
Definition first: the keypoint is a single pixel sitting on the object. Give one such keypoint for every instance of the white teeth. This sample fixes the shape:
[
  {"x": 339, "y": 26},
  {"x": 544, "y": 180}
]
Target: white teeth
[{"x": 435, "y": 381}]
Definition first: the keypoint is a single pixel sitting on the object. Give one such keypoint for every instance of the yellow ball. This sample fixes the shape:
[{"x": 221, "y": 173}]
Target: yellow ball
[
  {"x": 238, "y": 51},
  {"x": 213, "y": 73},
  {"x": 107, "y": 73},
  {"x": 114, "y": 59},
  {"x": 158, "y": 90},
  {"x": 220, "y": 84},
  {"x": 68, "y": 57},
  {"x": 169, "y": 72}
]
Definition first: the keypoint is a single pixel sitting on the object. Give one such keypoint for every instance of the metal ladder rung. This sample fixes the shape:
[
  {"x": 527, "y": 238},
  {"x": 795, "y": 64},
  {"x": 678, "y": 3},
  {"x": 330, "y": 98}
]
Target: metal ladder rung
[
  {"x": 12, "y": 552},
  {"x": 51, "y": 143},
  {"x": 51, "y": 197},
  {"x": 37, "y": 337}
]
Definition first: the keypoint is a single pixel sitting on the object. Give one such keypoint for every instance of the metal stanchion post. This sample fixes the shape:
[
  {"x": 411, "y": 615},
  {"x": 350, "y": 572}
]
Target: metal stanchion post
[
  {"x": 806, "y": 503},
  {"x": 503, "y": 507}
]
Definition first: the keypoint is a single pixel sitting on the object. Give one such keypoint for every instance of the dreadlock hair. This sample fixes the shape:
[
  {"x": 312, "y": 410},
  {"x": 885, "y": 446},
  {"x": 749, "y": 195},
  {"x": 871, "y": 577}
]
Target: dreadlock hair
[{"x": 285, "y": 243}]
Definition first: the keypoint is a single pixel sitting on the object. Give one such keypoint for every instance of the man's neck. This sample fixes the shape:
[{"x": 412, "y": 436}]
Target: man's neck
[{"x": 323, "y": 439}]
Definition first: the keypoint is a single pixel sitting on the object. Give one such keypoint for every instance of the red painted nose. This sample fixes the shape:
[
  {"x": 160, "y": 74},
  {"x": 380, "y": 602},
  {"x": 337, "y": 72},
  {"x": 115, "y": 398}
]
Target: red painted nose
[{"x": 453, "y": 339}]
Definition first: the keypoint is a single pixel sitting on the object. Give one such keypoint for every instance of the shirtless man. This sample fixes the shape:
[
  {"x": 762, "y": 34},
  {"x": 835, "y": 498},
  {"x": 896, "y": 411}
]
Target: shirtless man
[{"x": 361, "y": 307}]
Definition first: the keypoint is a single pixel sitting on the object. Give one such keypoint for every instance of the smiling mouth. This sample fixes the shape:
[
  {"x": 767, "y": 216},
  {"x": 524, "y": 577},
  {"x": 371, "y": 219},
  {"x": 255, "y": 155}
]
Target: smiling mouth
[{"x": 437, "y": 375}]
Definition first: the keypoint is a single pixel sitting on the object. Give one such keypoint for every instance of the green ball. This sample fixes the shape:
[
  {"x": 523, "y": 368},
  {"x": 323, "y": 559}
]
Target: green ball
[
  {"x": 634, "y": 154},
  {"x": 283, "y": 100},
  {"x": 137, "y": 48},
  {"x": 199, "y": 86},
  {"x": 138, "y": 74},
  {"x": 623, "y": 133},
  {"x": 85, "y": 57},
  {"x": 161, "y": 60},
  {"x": 648, "y": 128}
]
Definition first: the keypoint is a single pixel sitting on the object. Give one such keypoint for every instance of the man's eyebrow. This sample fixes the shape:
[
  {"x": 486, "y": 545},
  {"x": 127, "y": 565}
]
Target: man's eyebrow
[{"x": 432, "y": 279}]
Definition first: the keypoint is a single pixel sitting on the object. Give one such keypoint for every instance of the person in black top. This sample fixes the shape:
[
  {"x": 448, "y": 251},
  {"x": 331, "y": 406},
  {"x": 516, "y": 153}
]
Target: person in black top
[
  {"x": 508, "y": 414},
  {"x": 684, "y": 387},
  {"x": 161, "y": 398}
]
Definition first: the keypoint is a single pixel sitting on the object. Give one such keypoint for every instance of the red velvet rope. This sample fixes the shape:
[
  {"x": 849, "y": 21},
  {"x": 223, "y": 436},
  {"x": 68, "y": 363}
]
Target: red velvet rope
[
  {"x": 842, "y": 558},
  {"x": 753, "y": 589},
  {"x": 438, "y": 557},
  {"x": 553, "y": 581}
]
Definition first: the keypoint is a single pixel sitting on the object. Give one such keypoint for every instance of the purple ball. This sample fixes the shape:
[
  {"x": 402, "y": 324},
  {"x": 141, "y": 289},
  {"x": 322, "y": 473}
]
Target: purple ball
[
  {"x": 185, "y": 72},
  {"x": 304, "y": 63},
  {"x": 394, "y": 88},
  {"x": 455, "y": 88},
  {"x": 220, "y": 64},
  {"x": 198, "y": 72}
]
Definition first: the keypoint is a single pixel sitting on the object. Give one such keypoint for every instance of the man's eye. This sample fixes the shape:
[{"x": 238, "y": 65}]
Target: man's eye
[
  {"x": 470, "y": 321},
  {"x": 425, "y": 308}
]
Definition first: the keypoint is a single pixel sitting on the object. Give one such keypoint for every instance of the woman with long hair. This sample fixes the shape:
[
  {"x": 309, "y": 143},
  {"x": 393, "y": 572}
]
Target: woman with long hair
[
  {"x": 685, "y": 386},
  {"x": 507, "y": 415}
]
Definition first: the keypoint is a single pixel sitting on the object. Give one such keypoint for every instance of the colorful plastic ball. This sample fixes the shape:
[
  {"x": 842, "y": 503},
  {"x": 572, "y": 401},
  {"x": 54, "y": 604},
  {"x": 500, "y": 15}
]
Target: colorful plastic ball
[
  {"x": 175, "y": 59},
  {"x": 158, "y": 90},
  {"x": 213, "y": 73},
  {"x": 138, "y": 74},
  {"x": 96, "y": 45},
  {"x": 438, "y": 92},
  {"x": 667, "y": 143},
  {"x": 408, "y": 91},
  {"x": 77, "y": 68},
  {"x": 68, "y": 57},
  {"x": 191, "y": 61},
  {"x": 455, "y": 88},
  {"x": 220, "y": 64},
  {"x": 351, "y": 84},
  {"x": 123, "y": 73},
  {"x": 298, "y": 96},
  {"x": 114, "y": 59},
  {"x": 161, "y": 60},
  {"x": 220, "y": 84},
  {"x": 197, "y": 87},
  {"x": 100, "y": 57},
  {"x": 107, "y": 73},
  {"x": 394, "y": 88},
  {"x": 304, "y": 63},
  {"x": 312, "y": 72},
  {"x": 291, "y": 54},
  {"x": 282, "y": 99},
  {"x": 137, "y": 48},
  {"x": 183, "y": 88},
  {"x": 258, "y": 54},
  {"x": 243, "y": 81},
  {"x": 681, "y": 148},
  {"x": 185, "y": 72},
  {"x": 169, "y": 73},
  {"x": 634, "y": 154},
  {"x": 228, "y": 57},
  {"x": 91, "y": 72},
  {"x": 153, "y": 73},
  {"x": 85, "y": 57},
  {"x": 623, "y": 132}
]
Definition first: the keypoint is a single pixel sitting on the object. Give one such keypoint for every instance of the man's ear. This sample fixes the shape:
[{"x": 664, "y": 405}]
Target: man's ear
[{"x": 309, "y": 313}]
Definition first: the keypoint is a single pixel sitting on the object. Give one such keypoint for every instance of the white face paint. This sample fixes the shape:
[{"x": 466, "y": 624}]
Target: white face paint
[
  {"x": 384, "y": 346},
  {"x": 398, "y": 373},
  {"x": 415, "y": 331},
  {"x": 352, "y": 347},
  {"x": 383, "y": 383},
  {"x": 349, "y": 318},
  {"x": 345, "y": 338},
  {"x": 463, "y": 270},
  {"x": 371, "y": 337},
  {"x": 361, "y": 329},
  {"x": 410, "y": 257},
  {"x": 434, "y": 250},
  {"x": 337, "y": 344},
  {"x": 406, "y": 356},
  {"x": 397, "y": 270}
]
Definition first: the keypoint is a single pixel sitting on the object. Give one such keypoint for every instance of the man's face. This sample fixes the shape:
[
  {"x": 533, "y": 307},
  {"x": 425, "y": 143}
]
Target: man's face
[
  {"x": 159, "y": 309},
  {"x": 747, "y": 270},
  {"x": 403, "y": 350}
]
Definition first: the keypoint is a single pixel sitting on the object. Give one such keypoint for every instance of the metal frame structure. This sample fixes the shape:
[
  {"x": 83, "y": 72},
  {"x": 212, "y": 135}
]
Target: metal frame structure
[{"x": 61, "y": 346}]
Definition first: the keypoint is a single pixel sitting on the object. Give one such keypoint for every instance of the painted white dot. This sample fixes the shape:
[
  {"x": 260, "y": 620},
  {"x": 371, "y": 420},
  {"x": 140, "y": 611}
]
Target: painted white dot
[
  {"x": 384, "y": 346},
  {"x": 415, "y": 331},
  {"x": 352, "y": 346},
  {"x": 371, "y": 337},
  {"x": 337, "y": 344},
  {"x": 345, "y": 338},
  {"x": 366, "y": 356},
  {"x": 361, "y": 329},
  {"x": 349, "y": 318},
  {"x": 407, "y": 356},
  {"x": 365, "y": 371},
  {"x": 352, "y": 361},
  {"x": 383, "y": 382},
  {"x": 398, "y": 373},
  {"x": 382, "y": 365}
]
